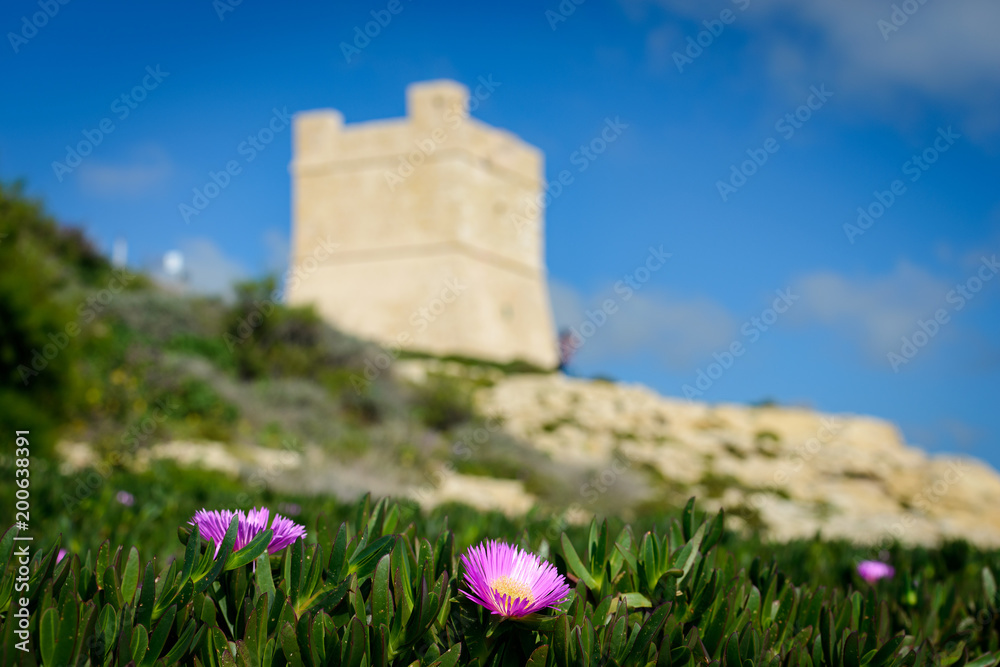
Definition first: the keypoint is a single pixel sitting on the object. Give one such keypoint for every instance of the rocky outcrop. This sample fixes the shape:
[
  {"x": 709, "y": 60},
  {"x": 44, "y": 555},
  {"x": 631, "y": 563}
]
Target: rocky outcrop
[{"x": 791, "y": 471}]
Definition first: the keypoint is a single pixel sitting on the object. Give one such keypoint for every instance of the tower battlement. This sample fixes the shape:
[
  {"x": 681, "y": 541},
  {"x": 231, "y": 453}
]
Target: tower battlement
[
  {"x": 322, "y": 139},
  {"x": 416, "y": 201}
]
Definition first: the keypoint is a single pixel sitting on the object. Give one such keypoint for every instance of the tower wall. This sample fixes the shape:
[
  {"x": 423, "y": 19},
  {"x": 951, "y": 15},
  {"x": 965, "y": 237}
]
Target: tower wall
[{"x": 421, "y": 209}]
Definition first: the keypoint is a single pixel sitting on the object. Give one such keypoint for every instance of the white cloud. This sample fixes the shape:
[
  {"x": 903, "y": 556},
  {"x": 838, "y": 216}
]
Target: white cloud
[
  {"x": 875, "y": 312},
  {"x": 660, "y": 45},
  {"x": 946, "y": 52},
  {"x": 209, "y": 270},
  {"x": 674, "y": 331},
  {"x": 970, "y": 260},
  {"x": 277, "y": 251},
  {"x": 567, "y": 304},
  {"x": 148, "y": 170}
]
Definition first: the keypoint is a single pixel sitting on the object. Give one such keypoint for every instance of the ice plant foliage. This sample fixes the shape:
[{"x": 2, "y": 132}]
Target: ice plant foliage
[
  {"x": 212, "y": 525},
  {"x": 873, "y": 570},
  {"x": 511, "y": 582},
  {"x": 368, "y": 577}
]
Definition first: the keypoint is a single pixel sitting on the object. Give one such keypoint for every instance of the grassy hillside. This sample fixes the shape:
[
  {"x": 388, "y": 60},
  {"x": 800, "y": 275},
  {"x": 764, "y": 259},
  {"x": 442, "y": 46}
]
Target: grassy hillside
[{"x": 91, "y": 354}]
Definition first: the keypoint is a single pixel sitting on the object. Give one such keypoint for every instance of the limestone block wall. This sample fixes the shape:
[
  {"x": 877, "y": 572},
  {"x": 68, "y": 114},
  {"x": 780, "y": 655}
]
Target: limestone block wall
[
  {"x": 444, "y": 302},
  {"x": 413, "y": 203}
]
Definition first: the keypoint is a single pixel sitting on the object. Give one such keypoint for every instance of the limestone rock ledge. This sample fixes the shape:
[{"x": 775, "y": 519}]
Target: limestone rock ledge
[{"x": 792, "y": 471}]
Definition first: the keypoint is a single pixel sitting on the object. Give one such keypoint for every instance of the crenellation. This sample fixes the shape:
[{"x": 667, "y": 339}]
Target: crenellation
[
  {"x": 317, "y": 135},
  {"x": 326, "y": 142},
  {"x": 436, "y": 103}
]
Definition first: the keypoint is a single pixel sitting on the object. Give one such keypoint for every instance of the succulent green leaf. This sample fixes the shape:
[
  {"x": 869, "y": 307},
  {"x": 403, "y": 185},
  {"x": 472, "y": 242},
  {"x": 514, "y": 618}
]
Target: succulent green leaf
[
  {"x": 130, "y": 575},
  {"x": 262, "y": 575},
  {"x": 183, "y": 642},
  {"x": 139, "y": 642},
  {"x": 561, "y": 640},
  {"x": 733, "y": 650},
  {"x": 538, "y": 658},
  {"x": 7, "y": 547},
  {"x": 68, "y": 631},
  {"x": 290, "y": 646},
  {"x": 990, "y": 588},
  {"x": 381, "y": 599},
  {"x": 355, "y": 648},
  {"x": 689, "y": 553},
  {"x": 988, "y": 660},
  {"x": 638, "y": 601},
  {"x": 687, "y": 519},
  {"x": 338, "y": 555},
  {"x": 852, "y": 651},
  {"x": 363, "y": 563},
  {"x": 716, "y": 529},
  {"x": 220, "y": 645},
  {"x": 616, "y": 645},
  {"x": 48, "y": 630},
  {"x": 249, "y": 553},
  {"x": 147, "y": 598},
  {"x": 575, "y": 564},
  {"x": 645, "y": 637}
]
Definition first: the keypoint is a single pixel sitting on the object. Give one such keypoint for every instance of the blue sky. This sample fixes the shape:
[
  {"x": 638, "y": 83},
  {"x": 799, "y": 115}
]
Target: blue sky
[{"x": 882, "y": 89}]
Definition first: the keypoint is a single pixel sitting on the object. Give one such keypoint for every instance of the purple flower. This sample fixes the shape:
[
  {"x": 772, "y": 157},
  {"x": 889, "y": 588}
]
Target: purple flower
[
  {"x": 873, "y": 570},
  {"x": 125, "y": 498},
  {"x": 292, "y": 509},
  {"x": 213, "y": 525},
  {"x": 60, "y": 555},
  {"x": 511, "y": 582}
]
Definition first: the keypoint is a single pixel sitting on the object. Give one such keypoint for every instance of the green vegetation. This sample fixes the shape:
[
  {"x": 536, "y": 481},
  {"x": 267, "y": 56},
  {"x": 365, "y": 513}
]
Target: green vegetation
[
  {"x": 53, "y": 288},
  {"x": 444, "y": 403},
  {"x": 509, "y": 368},
  {"x": 767, "y": 443},
  {"x": 97, "y": 355},
  {"x": 149, "y": 366},
  {"x": 92, "y": 354},
  {"x": 380, "y": 584}
]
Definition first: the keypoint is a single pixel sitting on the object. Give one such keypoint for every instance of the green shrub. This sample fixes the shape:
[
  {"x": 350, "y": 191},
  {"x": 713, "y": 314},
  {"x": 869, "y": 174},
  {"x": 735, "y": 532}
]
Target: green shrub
[
  {"x": 162, "y": 319},
  {"x": 509, "y": 368},
  {"x": 443, "y": 403},
  {"x": 45, "y": 319},
  {"x": 211, "y": 348},
  {"x": 270, "y": 339}
]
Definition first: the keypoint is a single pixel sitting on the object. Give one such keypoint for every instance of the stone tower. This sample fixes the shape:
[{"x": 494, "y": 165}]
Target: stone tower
[{"x": 437, "y": 228}]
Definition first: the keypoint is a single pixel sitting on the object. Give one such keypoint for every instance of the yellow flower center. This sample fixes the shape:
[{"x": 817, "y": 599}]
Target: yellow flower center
[{"x": 512, "y": 588}]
